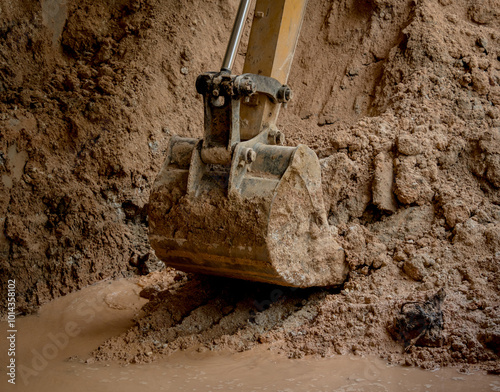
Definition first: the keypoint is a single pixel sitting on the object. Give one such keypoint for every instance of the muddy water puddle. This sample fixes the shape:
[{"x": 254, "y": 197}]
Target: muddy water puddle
[{"x": 72, "y": 326}]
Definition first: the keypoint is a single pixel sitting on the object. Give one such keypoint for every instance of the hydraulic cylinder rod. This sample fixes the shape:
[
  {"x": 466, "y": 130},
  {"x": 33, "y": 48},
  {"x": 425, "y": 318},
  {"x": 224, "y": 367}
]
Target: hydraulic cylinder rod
[{"x": 234, "y": 40}]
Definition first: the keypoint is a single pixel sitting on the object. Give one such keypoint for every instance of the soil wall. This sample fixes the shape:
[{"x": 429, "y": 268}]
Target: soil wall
[{"x": 400, "y": 100}]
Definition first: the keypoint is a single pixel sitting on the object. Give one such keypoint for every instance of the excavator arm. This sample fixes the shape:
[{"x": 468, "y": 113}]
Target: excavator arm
[{"x": 239, "y": 203}]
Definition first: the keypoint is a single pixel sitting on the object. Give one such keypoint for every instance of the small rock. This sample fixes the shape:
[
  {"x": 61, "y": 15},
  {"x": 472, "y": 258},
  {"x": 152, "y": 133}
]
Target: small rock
[
  {"x": 382, "y": 188},
  {"x": 428, "y": 261},
  {"x": 482, "y": 42},
  {"x": 341, "y": 141},
  {"x": 184, "y": 70},
  {"x": 153, "y": 146},
  {"x": 415, "y": 268},
  {"x": 469, "y": 233},
  {"x": 490, "y": 142},
  {"x": 411, "y": 187},
  {"x": 409, "y": 145},
  {"x": 148, "y": 262},
  {"x": 105, "y": 83},
  {"x": 400, "y": 255},
  {"x": 480, "y": 83},
  {"x": 379, "y": 261},
  {"x": 355, "y": 246},
  {"x": 187, "y": 54},
  {"x": 455, "y": 212},
  {"x": 326, "y": 119},
  {"x": 353, "y": 72},
  {"x": 482, "y": 13},
  {"x": 149, "y": 292}
]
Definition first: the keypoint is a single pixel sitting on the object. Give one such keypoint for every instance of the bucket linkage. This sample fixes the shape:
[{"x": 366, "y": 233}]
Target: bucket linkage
[{"x": 244, "y": 207}]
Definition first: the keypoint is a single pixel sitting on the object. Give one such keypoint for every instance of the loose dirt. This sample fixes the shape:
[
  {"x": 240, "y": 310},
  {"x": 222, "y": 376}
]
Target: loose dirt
[
  {"x": 399, "y": 99},
  {"x": 54, "y": 361}
]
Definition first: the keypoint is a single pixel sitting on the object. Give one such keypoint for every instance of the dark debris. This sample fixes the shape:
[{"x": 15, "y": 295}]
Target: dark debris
[{"x": 420, "y": 323}]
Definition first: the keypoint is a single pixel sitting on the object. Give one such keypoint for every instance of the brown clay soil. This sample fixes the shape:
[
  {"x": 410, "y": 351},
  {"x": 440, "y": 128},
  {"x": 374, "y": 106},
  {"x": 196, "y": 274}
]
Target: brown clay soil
[{"x": 399, "y": 99}]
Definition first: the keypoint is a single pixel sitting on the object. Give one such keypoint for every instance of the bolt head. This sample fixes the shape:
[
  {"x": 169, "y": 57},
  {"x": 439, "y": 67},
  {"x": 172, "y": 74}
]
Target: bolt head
[
  {"x": 249, "y": 155},
  {"x": 285, "y": 94},
  {"x": 276, "y": 137}
]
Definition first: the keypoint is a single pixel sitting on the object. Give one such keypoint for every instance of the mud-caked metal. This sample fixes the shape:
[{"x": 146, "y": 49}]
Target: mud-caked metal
[{"x": 249, "y": 209}]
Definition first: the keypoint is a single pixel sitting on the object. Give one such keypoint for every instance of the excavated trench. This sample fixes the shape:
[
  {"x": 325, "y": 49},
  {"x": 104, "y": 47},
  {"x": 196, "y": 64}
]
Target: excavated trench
[{"x": 399, "y": 99}]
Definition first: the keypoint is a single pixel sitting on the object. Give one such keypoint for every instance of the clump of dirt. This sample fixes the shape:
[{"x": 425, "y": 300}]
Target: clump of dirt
[{"x": 399, "y": 99}]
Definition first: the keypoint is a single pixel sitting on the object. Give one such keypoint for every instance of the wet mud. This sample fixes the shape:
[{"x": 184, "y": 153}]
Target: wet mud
[{"x": 51, "y": 360}]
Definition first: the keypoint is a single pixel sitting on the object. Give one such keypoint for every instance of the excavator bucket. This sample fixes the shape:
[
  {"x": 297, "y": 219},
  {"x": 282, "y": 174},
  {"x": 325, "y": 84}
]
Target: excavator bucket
[{"x": 238, "y": 203}]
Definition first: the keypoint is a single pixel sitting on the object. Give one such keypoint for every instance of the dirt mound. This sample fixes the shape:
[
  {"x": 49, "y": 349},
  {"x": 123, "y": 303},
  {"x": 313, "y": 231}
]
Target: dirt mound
[
  {"x": 400, "y": 100},
  {"x": 87, "y": 92}
]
